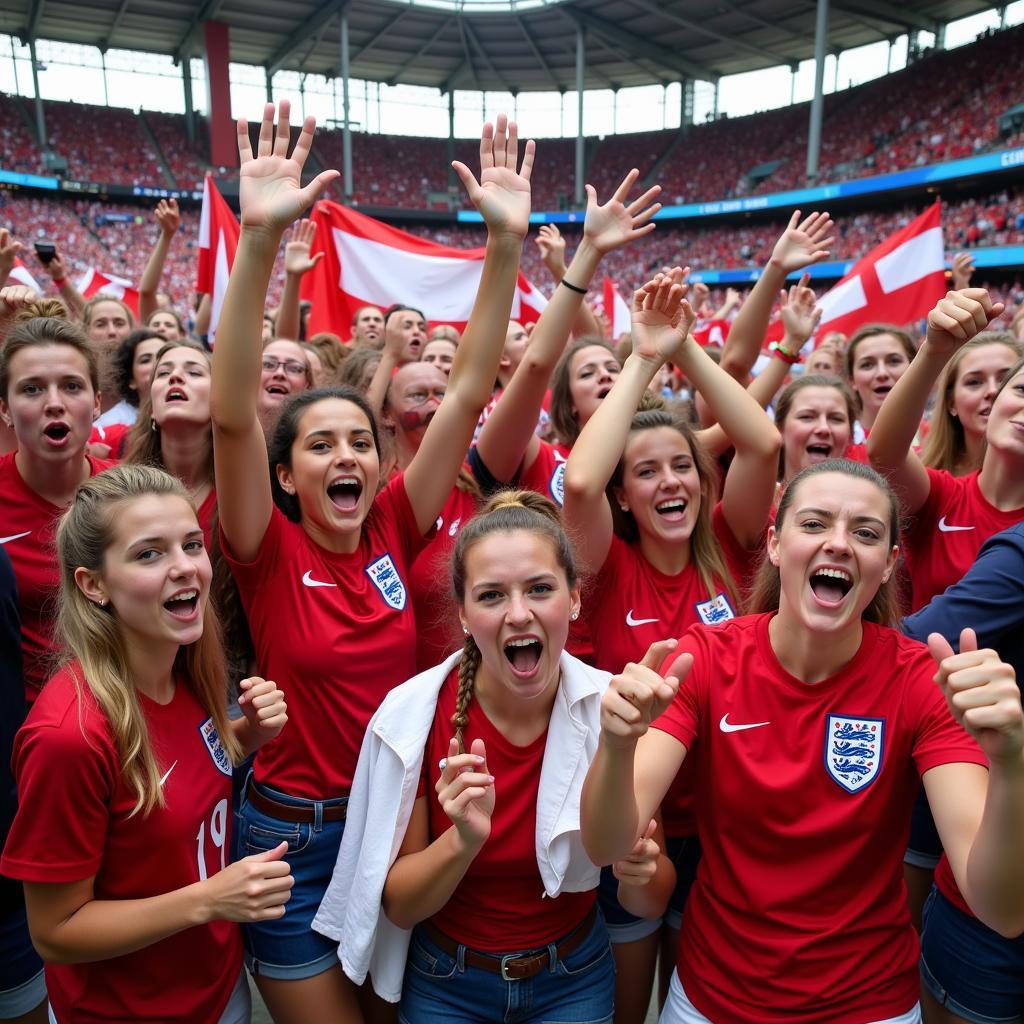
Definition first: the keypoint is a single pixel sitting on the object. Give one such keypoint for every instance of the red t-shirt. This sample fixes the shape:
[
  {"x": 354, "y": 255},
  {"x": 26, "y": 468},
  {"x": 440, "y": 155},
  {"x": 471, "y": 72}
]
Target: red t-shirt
[
  {"x": 73, "y": 823},
  {"x": 205, "y": 514},
  {"x": 499, "y": 906},
  {"x": 858, "y": 453},
  {"x": 947, "y": 533},
  {"x": 803, "y": 809},
  {"x": 114, "y": 436},
  {"x": 337, "y": 632},
  {"x": 430, "y": 581},
  {"x": 28, "y": 527}
]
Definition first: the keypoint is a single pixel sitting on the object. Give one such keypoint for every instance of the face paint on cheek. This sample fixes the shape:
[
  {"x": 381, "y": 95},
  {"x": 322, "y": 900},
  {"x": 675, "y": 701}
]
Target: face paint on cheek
[{"x": 413, "y": 420}]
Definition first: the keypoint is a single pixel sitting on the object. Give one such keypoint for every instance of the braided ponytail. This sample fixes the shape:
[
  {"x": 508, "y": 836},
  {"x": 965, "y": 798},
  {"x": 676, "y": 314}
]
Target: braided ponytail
[{"x": 467, "y": 674}]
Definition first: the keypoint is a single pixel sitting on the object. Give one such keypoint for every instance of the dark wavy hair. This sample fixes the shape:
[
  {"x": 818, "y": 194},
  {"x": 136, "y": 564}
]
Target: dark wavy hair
[{"x": 125, "y": 357}]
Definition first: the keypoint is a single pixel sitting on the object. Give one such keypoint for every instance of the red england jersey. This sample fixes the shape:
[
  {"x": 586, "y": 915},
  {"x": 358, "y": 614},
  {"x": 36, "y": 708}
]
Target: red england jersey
[
  {"x": 947, "y": 533},
  {"x": 73, "y": 823},
  {"x": 114, "y": 436},
  {"x": 28, "y": 527},
  {"x": 499, "y": 905},
  {"x": 804, "y": 794},
  {"x": 337, "y": 632},
  {"x": 430, "y": 580}
]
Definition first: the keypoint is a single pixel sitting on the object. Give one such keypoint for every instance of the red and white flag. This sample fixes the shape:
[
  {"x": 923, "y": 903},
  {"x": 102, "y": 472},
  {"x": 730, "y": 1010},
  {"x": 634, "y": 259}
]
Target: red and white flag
[
  {"x": 218, "y": 240},
  {"x": 615, "y": 310},
  {"x": 20, "y": 274},
  {"x": 94, "y": 281},
  {"x": 711, "y": 332},
  {"x": 369, "y": 263},
  {"x": 898, "y": 282}
]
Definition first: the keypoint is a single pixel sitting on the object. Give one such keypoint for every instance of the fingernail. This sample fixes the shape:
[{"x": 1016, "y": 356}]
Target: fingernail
[
  {"x": 478, "y": 759},
  {"x": 490, "y": 778}
]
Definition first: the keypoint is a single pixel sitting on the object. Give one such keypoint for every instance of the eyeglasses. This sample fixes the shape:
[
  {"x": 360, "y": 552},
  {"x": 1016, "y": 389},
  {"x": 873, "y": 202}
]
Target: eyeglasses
[{"x": 292, "y": 367}]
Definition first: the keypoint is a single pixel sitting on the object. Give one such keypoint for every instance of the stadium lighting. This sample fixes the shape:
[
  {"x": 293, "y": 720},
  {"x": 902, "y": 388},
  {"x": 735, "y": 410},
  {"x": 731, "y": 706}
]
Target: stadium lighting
[{"x": 483, "y": 6}]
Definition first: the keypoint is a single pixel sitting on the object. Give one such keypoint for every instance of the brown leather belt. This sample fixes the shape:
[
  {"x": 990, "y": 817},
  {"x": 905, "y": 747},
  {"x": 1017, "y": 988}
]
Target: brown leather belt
[
  {"x": 292, "y": 812},
  {"x": 514, "y": 968}
]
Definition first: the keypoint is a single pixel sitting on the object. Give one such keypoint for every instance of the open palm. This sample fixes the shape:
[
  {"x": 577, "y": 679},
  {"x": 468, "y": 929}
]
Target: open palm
[
  {"x": 614, "y": 224},
  {"x": 803, "y": 242},
  {"x": 661, "y": 317}
]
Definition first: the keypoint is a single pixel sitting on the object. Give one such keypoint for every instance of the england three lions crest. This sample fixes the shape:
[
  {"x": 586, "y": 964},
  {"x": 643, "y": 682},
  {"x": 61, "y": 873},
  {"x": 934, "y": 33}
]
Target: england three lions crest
[
  {"x": 214, "y": 747},
  {"x": 385, "y": 578},
  {"x": 854, "y": 748}
]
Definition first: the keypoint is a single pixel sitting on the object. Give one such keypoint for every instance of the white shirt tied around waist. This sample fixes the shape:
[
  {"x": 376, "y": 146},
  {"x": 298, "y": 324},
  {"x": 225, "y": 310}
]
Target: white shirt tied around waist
[{"x": 382, "y": 798}]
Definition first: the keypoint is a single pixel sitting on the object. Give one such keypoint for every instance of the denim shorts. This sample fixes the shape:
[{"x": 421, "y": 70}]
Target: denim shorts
[
  {"x": 287, "y": 947},
  {"x": 442, "y": 989},
  {"x": 22, "y": 987},
  {"x": 971, "y": 970},
  {"x": 925, "y": 847},
  {"x": 685, "y": 852}
]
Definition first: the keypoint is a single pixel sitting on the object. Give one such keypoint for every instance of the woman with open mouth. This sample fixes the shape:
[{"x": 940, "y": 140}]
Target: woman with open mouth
[
  {"x": 472, "y": 770},
  {"x": 813, "y": 722},
  {"x": 48, "y": 394},
  {"x": 321, "y": 553},
  {"x": 641, "y": 498},
  {"x": 124, "y": 773}
]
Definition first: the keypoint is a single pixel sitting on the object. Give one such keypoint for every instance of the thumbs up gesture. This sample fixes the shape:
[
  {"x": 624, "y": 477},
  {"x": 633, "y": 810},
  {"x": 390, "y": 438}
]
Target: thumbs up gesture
[
  {"x": 982, "y": 695},
  {"x": 639, "y": 867},
  {"x": 638, "y": 694}
]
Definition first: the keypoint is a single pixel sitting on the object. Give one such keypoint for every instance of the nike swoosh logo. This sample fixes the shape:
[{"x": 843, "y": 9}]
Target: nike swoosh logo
[
  {"x": 726, "y": 726},
  {"x": 310, "y": 582},
  {"x": 630, "y": 621},
  {"x": 168, "y": 772},
  {"x": 945, "y": 528},
  {"x": 14, "y": 536}
]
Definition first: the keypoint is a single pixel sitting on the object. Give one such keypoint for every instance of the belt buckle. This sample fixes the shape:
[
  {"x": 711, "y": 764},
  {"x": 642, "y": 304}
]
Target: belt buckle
[{"x": 504, "y": 967}]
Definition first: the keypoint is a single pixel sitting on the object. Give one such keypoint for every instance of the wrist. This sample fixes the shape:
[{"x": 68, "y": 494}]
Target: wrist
[
  {"x": 200, "y": 908},
  {"x": 503, "y": 238},
  {"x": 464, "y": 849},
  {"x": 59, "y": 282},
  {"x": 784, "y": 352},
  {"x": 619, "y": 747}
]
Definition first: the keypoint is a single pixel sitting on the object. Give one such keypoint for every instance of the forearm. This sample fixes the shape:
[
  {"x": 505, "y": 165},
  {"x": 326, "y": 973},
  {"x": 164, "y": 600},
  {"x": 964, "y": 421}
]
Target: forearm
[
  {"x": 585, "y": 325},
  {"x": 748, "y": 329},
  {"x": 381, "y": 380},
  {"x": 288, "y": 318},
  {"x": 203, "y": 315},
  {"x": 70, "y": 296},
  {"x": 892, "y": 435},
  {"x": 994, "y": 877},
  {"x": 250, "y": 738},
  {"x": 420, "y": 884},
  {"x": 150, "y": 282},
  {"x": 236, "y": 358},
  {"x": 608, "y": 811}
]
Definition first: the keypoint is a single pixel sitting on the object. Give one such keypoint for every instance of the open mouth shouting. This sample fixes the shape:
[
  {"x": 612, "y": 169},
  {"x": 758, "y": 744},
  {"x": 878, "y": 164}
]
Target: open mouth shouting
[
  {"x": 344, "y": 493},
  {"x": 819, "y": 451},
  {"x": 184, "y": 605},
  {"x": 277, "y": 389},
  {"x": 57, "y": 433},
  {"x": 830, "y": 586},
  {"x": 672, "y": 510},
  {"x": 523, "y": 655}
]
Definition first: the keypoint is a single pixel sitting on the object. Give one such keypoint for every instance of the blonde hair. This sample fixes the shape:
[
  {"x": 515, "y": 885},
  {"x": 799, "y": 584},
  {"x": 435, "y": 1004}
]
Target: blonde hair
[
  {"x": 505, "y": 512},
  {"x": 45, "y": 322},
  {"x": 91, "y": 636},
  {"x": 91, "y": 305},
  {"x": 945, "y": 447}
]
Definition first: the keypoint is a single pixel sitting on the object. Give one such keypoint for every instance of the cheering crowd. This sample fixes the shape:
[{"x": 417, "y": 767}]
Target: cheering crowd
[{"x": 511, "y": 672}]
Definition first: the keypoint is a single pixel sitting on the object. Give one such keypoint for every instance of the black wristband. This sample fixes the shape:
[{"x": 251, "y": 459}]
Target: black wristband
[{"x": 573, "y": 288}]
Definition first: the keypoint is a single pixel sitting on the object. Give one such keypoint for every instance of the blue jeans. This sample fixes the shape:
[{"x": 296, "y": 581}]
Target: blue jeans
[
  {"x": 442, "y": 989},
  {"x": 22, "y": 987},
  {"x": 971, "y": 970},
  {"x": 288, "y": 948}
]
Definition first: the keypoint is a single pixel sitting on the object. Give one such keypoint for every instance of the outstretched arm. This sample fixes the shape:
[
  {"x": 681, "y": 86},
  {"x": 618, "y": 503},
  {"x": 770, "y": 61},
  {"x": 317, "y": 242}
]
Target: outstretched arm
[
  {"x": 502, "y": 195},
  {"x": 953, "y": 322},
  {"x": 296, "y": 264},
  {"x": 508, "y": 439},
  {"x": 271, "y": 197},
  {"x": 551, "y": 246},
  {"x": 168, "y": 217},
  {"x": 69, "y": 294}
]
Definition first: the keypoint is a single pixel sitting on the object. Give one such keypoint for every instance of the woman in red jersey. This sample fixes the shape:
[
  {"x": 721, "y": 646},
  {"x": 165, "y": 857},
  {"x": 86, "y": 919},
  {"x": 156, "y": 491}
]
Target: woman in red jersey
[
  {"x": 876, "y": 357},
  {"x": 321, "y": 555},
  {"x": 952, "y": 516},
  {"x": 814, "y": 415},
  {"x": 48, "y": 394},
  {"x": 670, "y": 554},
  {"x": 124, "y": 773},
  {"x": 811, "y": 724}
]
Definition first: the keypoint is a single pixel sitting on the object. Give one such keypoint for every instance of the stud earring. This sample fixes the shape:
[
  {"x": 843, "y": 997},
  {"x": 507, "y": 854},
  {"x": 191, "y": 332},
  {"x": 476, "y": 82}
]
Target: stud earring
[
  {"x": 575, "y": 615},
  {"x": 465, "y": 630},
  {"x": 625, "y": 508}
]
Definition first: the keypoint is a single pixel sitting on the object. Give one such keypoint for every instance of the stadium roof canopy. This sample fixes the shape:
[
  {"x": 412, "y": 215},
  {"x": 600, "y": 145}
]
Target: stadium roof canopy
[{"x": 495, "y": 45}]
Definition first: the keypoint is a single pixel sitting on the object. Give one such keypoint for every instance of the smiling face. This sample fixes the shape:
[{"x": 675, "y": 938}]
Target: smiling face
[
  {"x": 661, "y": 486},
  {"x": 979, "y": 375},
  {"x": 50, "y": 401},
  {"x": 592, "y": 373},
  {"x": 816, "y": 428},
  {"x": 180, "y": 392},
  {"x": 142, "y": 366},
  {"x": 879, "y": 361},
  {"x": 440, "y": 353},
  {"x": 165, "y": 324},
  {"x": 1005, "y": 429},
  {"x": 285, "y": 372},
  {"x": 334, "y": 471},
  {"x": 517, "y": 604},
  {"x": 155, "y": 575},
  {"x": 833, "y": 550}
]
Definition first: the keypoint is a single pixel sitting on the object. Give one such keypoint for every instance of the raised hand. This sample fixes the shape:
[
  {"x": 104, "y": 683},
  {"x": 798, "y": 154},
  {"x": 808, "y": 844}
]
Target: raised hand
[
  {"x": 252, "y": 889},
  {"x": 551, "y": 246},
  {"x": 959, "y": 317},
  {"x": 638, "y": 694},
  {"x": 800, "y": 315},
  {"x": 502, "y": 195},
  {"x": 661, "y": 317},
  {"x": 15, "y": 297},
  {"x": 168, "y": 216},
  {"x": 613, "y": 225},
  {"x": 803, "y": 243},
  {"x": 9, "y": 249},
  {"x": 270, "y": 192},
  {"x": 963, "y": 270},
  {"x": 466, "y": 793},
  {"x": 982, "y": 694},
  {"x": 264, "y": 706},
  {"x": 56, "y": 269},
  {"x": 641, "y": 864},
  {"x": 296, "y": 252}
]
